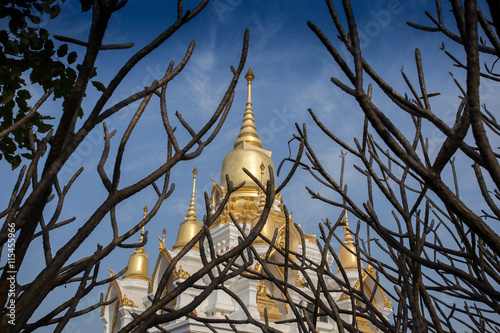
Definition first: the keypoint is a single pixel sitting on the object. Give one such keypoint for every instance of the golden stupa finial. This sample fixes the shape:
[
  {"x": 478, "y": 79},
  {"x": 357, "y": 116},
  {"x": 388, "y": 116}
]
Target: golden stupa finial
[
  {"x": 249, "y": 75},
  {"x": 248, "y": 131},
  {"x": 138, "y": 264},
  {"x": 347, "y": 234},
  {"x": 143, "y": 227},
  {"x": 141, "y": 238},
  {"x": 191, "y": 214},
  {"x": 347, "y": 251},
  {"x": 162, "y": 240},
  {"x": 191, "y": 226}
]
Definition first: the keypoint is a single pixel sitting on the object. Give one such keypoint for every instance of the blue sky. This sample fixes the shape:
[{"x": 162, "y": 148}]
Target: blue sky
[{"x": 292, "y": 73}]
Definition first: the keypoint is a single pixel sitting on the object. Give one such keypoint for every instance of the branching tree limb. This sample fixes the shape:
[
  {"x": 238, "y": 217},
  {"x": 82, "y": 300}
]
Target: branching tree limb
[{"x": 38, "y": 183}]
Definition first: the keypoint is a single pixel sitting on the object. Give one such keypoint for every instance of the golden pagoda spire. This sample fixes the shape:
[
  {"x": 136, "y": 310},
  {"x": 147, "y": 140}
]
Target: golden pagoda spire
[
  {"x": 143, "y": 230},
  {"x": 248, "y": 131},
  {"x": 191, "y": 226},
  {"x": 347, "y": 234},
  {"x": 247, "y": 153},
  {"x": 138, "y": 264},
  {"x": 348, "y": 259},
  {"x": 191, "y": 214}
]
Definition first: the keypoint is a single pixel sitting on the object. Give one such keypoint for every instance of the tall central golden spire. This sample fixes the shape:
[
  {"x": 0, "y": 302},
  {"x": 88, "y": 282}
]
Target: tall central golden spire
[
  {"x": 248, "y": 131},
  {"x": 248, "y": 152}
]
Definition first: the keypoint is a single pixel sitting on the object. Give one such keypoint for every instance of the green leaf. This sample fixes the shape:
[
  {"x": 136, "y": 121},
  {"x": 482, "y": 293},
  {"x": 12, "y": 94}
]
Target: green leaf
[
  {"x": 24, "y": 94},
  {"x": 86, "y": 5},
  {"x": 133, "y": 314},
  {"x": 72, "y": 57},
  {"x": 43, "y": 127},
  {"x": 99, "y": 86},
  {"x": 53, "y": 11},
  {"x": 27, "y": 52},
  {"x": 62, "y": 50},
  {"x": 44, "y": 34},
  {"x": 70, "y": 72},
  {"x": 35, "y": 19},
  {"x": 7, "y": 96},
  {"x": 14, "y": 161}
]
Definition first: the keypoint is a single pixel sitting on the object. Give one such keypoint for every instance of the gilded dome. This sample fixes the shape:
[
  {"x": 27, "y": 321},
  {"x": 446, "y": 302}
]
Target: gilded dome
[
  {"x": 138, "y": 265},
  {"x": 249, "y": 157},
  {"x": 187, "y": 231}
]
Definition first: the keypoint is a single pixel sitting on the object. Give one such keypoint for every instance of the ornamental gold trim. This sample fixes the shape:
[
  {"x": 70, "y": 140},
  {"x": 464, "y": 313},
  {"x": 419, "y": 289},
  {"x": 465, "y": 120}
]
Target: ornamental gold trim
[
  {"x": 182, "y": 274},
  {"x": 264, "y": 301},
  {"x": 128, "y": 302},
  {"x": 138, "y": 276}
]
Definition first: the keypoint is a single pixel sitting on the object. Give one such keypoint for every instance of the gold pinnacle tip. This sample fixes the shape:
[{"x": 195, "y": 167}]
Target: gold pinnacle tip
[{"x": 249, "y": 75}]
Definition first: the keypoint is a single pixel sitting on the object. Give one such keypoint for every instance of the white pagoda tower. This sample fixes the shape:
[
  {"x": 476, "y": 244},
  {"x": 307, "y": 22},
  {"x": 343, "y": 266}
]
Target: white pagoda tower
[{"x": 246, "y": 204}]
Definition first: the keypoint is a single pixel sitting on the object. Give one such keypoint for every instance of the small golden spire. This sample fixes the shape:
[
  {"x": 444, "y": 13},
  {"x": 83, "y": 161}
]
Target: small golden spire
[
  {"x": 191, "y": 214},
  {"x": 347, "y": 234},
  {"x": 162, "y": 240},
  {"x": 143, "y": 227},
  {"x": 191, "y": 226},
  {"x": 141, "y": 237},
  {"x": 142, "y": 230},
  {"x": 248, "y": 131},
  {"x": 347, "y": 251},
  {"x": 138, "y": 264}
]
